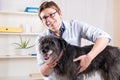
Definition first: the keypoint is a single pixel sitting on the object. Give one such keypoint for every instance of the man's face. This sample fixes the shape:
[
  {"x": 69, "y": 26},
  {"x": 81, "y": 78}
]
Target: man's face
[{"x": 51, "y": 18}]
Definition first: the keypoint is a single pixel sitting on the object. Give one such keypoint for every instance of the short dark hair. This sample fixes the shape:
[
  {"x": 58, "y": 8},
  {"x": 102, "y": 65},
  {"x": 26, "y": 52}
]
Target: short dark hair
[{"x": 48, "y": 4}]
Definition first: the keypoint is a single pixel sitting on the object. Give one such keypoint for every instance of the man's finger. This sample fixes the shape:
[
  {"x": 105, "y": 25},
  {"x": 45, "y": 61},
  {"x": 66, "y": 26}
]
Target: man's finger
[
  {"x": 81, "y": 70},
  {"x": 76, "y": 59}
]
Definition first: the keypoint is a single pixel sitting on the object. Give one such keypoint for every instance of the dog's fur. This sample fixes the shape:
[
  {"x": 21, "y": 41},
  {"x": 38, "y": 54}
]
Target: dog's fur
[{"x": 107, "y": 63}]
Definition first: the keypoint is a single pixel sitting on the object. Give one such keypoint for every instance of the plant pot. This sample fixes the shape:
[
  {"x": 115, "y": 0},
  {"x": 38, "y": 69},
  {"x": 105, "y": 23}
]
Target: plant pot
[
  {"x": 22, "y": 51},
  {"x": 25, "y": 52}
]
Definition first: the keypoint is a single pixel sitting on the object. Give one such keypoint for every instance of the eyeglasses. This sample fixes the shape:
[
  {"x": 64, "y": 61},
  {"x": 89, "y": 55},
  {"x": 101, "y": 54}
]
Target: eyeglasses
[{"x": 51, "y": 15}]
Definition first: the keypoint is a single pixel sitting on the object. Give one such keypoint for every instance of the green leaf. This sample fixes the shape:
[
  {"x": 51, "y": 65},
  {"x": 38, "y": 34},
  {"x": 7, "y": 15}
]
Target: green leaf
[{"x": 24, "y": 44}]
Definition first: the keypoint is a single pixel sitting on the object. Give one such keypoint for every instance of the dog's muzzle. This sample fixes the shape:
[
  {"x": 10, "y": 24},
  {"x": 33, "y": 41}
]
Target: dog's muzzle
[{"x": 46, "y": 53}]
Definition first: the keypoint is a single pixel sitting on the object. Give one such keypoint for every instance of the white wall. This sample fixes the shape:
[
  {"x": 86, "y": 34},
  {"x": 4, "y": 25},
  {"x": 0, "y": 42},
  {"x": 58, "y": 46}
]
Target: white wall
[
  {"x": 96, "y": 12},
  {"x": 117, "y": 23}
]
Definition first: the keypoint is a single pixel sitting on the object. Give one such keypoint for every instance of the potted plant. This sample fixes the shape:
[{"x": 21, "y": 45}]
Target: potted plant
[{"x": 24, "y": 46}]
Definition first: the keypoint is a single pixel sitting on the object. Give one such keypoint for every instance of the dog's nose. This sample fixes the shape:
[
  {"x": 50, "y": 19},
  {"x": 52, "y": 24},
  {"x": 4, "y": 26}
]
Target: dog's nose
[{"x": 45, "y": 50}]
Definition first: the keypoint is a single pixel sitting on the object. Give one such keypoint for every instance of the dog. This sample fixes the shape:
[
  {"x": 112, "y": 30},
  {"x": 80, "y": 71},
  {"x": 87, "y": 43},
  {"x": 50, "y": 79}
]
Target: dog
[{"x": 107, "y": 63}]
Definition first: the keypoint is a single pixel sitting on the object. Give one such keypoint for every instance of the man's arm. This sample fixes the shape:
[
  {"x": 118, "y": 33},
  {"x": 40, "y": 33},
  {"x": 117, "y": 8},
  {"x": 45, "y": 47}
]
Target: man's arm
[
  {"x": 85, "y": 60},
  {"x": 47, "y": 68}
]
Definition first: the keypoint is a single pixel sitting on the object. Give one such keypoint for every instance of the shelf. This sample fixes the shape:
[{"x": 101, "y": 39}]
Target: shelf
[
  {"x": 18, "y": 13},
  {"x": 19, "y": 78},
  {"x": 27, "y": 34},
  {"x": 16, "y": 56},
  {"x": 36, "y": 76}
]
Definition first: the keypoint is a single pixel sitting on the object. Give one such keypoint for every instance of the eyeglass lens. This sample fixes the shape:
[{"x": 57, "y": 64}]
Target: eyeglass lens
[{"x": 51, "y": 15}]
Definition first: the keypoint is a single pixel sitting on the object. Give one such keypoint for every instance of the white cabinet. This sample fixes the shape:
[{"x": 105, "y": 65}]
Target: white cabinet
[
  {"x": 8, "y": 55},
  {"x": 16, "y": 66},
  {"x": 30, "y": 24},
  {"x": 12, "y": 15}
]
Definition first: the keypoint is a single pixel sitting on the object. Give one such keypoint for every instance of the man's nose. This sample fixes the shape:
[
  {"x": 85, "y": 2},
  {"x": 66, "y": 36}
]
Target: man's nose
[
  {"x": 47, "y": 22},
  {"x": 49, "y": 19}
]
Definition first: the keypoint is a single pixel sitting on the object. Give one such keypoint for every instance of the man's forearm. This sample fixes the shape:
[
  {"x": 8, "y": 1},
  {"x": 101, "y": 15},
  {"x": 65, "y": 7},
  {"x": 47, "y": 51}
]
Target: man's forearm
[
  {"x": 99, "y": 46},
  {"x": 45, "y": 70}
]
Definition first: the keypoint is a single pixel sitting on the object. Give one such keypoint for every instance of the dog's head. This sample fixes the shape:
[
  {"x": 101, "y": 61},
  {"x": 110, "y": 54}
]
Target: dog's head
[{"x": 51, "y": 46}]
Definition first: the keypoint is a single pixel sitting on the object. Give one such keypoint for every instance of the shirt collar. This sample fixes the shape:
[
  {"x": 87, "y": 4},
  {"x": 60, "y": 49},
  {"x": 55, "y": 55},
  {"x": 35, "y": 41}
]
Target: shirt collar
[{"x": 62, "y": 29}]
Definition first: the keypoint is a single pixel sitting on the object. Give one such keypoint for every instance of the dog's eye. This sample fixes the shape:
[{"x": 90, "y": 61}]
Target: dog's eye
[
  {"x": 45, "y": 49},
  {"x": 52, "y": 43}
]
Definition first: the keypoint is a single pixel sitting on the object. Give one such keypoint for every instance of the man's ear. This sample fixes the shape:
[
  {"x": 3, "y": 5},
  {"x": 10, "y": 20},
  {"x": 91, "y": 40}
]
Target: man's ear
[{"x": 60, "y": 13}]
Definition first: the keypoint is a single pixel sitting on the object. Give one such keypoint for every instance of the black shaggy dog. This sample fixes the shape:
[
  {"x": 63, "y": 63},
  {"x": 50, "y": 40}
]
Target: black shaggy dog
[{"x": 107, "y": 63}]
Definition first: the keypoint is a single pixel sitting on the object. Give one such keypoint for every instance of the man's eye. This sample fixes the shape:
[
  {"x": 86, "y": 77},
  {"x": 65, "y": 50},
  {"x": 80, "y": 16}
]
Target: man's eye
[
  {"x": 45, "y": 17},
  {"x": 51, "y": 15}
]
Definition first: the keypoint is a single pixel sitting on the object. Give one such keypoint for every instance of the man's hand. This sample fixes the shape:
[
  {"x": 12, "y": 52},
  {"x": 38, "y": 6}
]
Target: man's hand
[
  {"x": 84, "y": 62},
  {"x": 47, "y": 68},
  {"x": 52, "y": 63}
]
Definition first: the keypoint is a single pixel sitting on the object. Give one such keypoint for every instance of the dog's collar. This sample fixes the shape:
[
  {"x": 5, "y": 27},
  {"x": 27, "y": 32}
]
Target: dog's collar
[{"x": 60, "y": 55}]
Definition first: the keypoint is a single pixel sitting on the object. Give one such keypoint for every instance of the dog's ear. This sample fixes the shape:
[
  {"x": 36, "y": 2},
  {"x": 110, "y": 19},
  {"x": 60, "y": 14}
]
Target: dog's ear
[
  {"x": 63, "y": 43},
  {"x": 40, "y": 38}
]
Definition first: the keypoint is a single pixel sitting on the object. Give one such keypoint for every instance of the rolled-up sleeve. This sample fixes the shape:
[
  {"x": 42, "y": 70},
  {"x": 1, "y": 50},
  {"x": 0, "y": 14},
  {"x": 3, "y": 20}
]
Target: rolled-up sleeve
[{"x": 91, "y": 32}]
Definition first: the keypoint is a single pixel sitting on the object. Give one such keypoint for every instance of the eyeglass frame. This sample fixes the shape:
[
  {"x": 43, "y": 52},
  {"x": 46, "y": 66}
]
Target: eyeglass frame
[{"x": 51, "y": 15}]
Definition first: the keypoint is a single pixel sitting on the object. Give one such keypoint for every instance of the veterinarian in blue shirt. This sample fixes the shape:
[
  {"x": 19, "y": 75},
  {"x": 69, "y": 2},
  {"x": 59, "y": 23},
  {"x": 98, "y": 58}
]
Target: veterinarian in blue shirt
[{"x": 72, "y": 31}]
